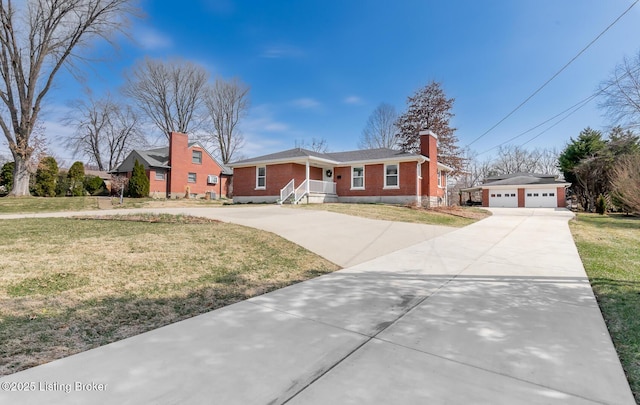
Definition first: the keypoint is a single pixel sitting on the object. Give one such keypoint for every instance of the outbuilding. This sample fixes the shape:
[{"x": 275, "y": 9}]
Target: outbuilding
[{"x": 528, "y": 190}]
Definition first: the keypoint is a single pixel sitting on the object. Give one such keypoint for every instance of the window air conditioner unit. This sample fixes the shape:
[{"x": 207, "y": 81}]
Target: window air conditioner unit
[{"x": 212, "y": 179}]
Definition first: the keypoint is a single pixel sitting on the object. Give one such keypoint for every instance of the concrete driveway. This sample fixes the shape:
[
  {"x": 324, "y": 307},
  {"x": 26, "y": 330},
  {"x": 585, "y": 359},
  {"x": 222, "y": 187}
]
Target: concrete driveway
[
  {"x": 499, "y": 312},
  {"x": 343, "y": 239}
]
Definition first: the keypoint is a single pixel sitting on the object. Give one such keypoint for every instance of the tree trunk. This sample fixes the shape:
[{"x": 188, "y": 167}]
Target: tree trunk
[{"x": 21, "y": 178}]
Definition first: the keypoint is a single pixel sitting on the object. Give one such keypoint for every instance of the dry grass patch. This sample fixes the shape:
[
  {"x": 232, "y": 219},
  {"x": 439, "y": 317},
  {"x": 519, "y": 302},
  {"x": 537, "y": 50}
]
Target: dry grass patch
[
  {"x": 449, "y": 216},
  {"x": 69, "y": 285}
]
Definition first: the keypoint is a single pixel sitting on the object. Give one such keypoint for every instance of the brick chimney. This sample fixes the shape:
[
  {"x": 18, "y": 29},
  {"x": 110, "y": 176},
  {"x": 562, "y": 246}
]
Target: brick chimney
[{"x": 429, "y": 148}]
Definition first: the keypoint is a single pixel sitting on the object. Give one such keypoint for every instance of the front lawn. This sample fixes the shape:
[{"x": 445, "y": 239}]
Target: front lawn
[
  {"x": 450, "y": 216},
  {"x": 23, "y": 205},
  {"x": 26, "y": 205},
  {"x": 610, "y": 250},
  {"x": 68, "y": 285}
]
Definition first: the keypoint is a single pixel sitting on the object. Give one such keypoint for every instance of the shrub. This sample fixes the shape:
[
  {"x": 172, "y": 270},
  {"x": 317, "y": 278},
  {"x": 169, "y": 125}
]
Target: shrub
[
  {"x": 6, "y": 175},
  {"x": 626, "y": 182},
  {"x": 46, "y": 176},
  {"x": 93, "y": 184},
  {"x": 139, "y": 182},
  {"x": 62, "y": 185},
  {"x": 76, "y": 179}
]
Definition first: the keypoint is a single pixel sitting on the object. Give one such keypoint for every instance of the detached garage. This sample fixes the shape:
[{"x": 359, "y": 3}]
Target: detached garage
[{"x": 529, "y": 190}]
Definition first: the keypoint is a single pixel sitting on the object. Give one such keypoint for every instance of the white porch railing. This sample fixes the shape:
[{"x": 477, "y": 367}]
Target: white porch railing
[
  {"x": 287, "y": 191},
  {"x": 307, "y": 186},
  {"x": 324, "y": 187},
  {"x": 300, "y": 192}
]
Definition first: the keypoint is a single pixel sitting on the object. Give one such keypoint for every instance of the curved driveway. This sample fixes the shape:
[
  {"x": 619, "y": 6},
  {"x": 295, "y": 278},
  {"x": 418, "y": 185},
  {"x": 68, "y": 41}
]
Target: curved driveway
[
  {"x": 499, "y": 312},
  {"x": 343, "y": 239}
]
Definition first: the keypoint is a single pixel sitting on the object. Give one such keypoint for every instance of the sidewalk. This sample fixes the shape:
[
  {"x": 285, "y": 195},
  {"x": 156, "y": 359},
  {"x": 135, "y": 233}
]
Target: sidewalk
[{"x": 499, "y": 312}]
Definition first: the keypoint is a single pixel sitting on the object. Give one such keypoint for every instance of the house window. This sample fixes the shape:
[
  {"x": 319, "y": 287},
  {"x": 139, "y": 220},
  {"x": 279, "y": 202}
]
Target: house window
[
  {"x": 499, "y": 195},
  {"x": 439, "y": 178},
  {"x": 513, "y": 195},
  {"x": 493, "y": 195},
  {"x": 544, "y": 194},
  {"x": 535, "y": 194},
  {"x": 191, "y": 178},
  {"x": 261, "y": 177},
  {"x": 391, "y": 176},
  {"x": 196, "y": 157},
  {"x": 357, "y": 177},
  {"x": 160, "y": 176},
  {"x": 528, "y": 194},
  {"x": 552, "y": 194}
]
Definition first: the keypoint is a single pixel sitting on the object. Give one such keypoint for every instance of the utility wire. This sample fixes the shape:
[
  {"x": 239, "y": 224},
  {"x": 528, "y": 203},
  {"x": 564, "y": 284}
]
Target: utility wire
[
  {"x": 555, "y": 75},
  {"x": 574, "y": 107}
]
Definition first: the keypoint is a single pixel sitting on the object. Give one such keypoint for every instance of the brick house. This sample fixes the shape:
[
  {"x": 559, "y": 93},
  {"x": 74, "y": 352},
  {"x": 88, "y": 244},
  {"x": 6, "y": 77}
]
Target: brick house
[
  {"x": 180, "y": 167},
  {"x": 371, "y": 175},
  {"x": 522, "y": 190}
]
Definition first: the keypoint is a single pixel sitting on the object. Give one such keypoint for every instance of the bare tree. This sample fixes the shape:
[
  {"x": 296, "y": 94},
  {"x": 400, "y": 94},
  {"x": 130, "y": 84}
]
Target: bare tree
[
  {"x": 106, "y": 131},
  {"x": 430, "y": 109},
  {"x": 621, "y": 94},
  {"x": 315, "y": 144},
  {"x": 380, "y": 131},
  {"x": 547, "y": 161},
  {"x": 170, "y": 93},
  {"x": 227, "y": 103},
  {"x": 626, "y": 182},
  {"x": 514, "y": 159},
  {"x": 37, "y": 38}
]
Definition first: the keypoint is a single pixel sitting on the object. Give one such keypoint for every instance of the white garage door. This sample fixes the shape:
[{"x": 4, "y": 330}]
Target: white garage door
[
  {"x": 540, "y": 198},
  {"x": 503, "y": 198}
]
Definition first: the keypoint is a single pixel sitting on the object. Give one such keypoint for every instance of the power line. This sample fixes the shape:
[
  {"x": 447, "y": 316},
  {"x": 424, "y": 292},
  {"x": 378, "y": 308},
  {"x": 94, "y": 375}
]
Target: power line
[
  {"x": 555, "y": 75},
  {"x": 574, "y": 107}
]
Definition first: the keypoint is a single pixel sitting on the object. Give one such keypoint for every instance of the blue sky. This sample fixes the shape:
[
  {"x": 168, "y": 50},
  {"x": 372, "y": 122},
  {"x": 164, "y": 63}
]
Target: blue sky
[{"x": 319, "y": 68}]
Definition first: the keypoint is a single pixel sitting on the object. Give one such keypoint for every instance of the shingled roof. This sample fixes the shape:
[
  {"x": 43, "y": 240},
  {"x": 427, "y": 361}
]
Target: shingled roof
[
  {"x": 515, "y": 179},
  {"x": 334, "y": 157}
]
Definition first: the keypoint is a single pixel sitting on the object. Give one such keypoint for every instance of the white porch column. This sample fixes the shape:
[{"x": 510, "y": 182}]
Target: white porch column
[{"x": 308, "y": 172}]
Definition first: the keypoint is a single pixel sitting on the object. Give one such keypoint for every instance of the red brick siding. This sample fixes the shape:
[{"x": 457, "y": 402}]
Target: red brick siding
[
  {"x": 521, "y": 197},
  {"x": 485, "y": 197},
  {"x": 277, "y": 176},
  {"x": 561, "y": 196},
  {"x": 181, "y": 162},
  {"x": 374, "y": 181},
  {"x": 157, "y": 186}
]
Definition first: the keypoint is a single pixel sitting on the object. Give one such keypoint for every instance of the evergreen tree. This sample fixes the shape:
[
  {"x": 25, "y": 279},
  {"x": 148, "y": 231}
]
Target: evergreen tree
[
  {"x": 46, "y": 175},
  {"x": 76, "y": 179},
  {"x": 6, "y": 175},
  {"x": 430, "y": 109},
  {"x": 139, "y": 182}
]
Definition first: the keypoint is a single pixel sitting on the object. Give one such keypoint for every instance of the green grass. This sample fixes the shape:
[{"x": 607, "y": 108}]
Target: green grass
[
  {"x": 24, "y": 205},
  {"x": 610, "y": 250},
  {"x": 68, "y": 285},
  {"x": 456, "y": 217},
  {"x": 27, "y": 205}
]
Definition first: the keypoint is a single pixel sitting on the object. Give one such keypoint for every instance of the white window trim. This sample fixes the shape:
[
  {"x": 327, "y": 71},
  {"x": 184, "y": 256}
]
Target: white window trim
[
  {"x": 162, "y": 176},
  {"x": 195, "y": 180},
  {"x": 265, "y": 177},
  {"x": 387, "y": 187},
  {"x": 439, "y": 174},
  {"x": 193, "y": 152},
  {"x": 363, "y": 171}
]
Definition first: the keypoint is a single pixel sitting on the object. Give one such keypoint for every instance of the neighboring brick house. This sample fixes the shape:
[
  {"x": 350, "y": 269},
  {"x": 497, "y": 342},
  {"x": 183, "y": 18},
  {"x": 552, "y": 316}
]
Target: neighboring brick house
[
  {"x": 180, "y": 167},
  {"x": 522, "y": 190},
  {"x": 371, "y": 175}
]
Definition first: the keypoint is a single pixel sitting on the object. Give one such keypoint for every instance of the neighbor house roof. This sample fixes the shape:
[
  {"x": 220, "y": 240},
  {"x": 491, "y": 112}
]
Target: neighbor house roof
[
  {"x": 159, "y": 158},
  {"x": 336, "y": 158}
]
